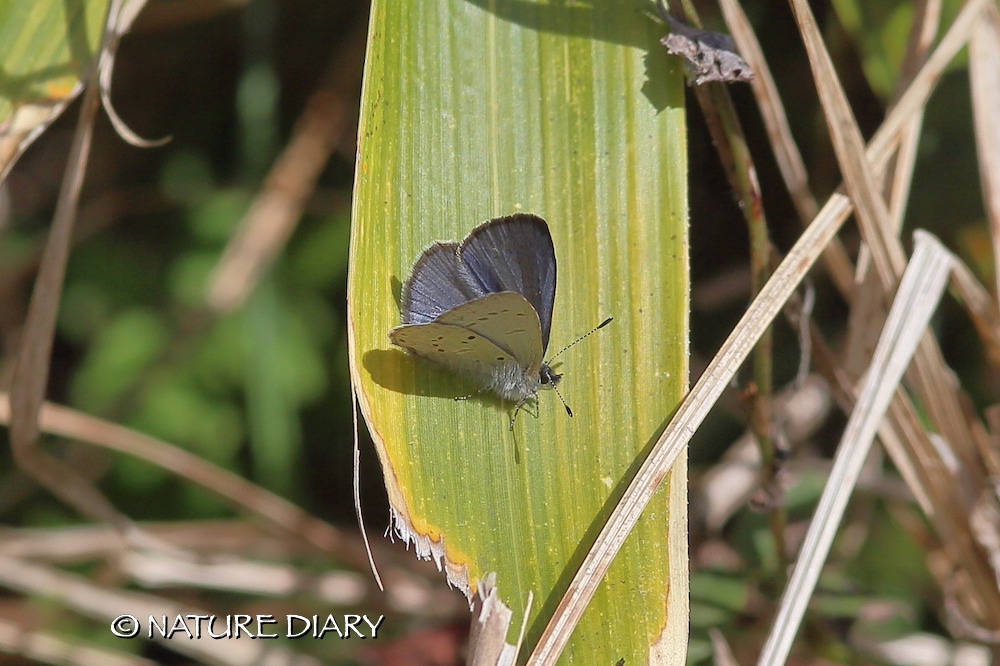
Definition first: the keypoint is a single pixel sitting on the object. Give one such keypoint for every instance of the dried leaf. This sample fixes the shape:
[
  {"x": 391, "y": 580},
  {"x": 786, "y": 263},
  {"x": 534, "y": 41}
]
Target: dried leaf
[{"x": 711, "y": 56}]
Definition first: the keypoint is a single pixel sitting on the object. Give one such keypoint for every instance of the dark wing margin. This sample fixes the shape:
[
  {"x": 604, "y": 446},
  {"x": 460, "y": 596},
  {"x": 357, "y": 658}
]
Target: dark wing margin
[
  {"x": 434, "y": 285},
  {"x": 513, "y": 253}
]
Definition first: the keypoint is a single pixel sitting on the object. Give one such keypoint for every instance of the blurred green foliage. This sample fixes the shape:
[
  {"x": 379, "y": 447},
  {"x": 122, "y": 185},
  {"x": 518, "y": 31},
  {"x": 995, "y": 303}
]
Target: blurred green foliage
[
  {"x": 880, "y": 32},
  {"x": 136, "y": 343}
]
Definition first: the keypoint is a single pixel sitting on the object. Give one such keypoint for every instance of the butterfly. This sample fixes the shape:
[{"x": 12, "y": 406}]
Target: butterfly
[{"x": 482, "y": 308}]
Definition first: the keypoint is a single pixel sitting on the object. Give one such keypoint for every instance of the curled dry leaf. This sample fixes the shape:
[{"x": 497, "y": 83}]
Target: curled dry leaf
[{"x": 710, "y": 56}]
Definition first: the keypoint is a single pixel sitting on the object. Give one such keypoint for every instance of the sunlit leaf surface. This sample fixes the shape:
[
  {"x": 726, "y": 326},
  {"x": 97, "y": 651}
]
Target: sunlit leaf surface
[{"x": 573, "y": 112}]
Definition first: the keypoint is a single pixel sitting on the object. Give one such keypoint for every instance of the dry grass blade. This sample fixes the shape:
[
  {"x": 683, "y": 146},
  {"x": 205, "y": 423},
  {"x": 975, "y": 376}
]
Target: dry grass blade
[
  {"x": 356, "y": 483},
  {"x": 491, "y": 618},
  {"x": 849, "y": 146},
  {"x": 244, "y": 576},
  {"x": 982, "y": 308},
  {"x": 720, "y": 371},
  {"x": 786, "y": 152},
  {"x": 926, "y": 23},
  {"x": 686, "y": 420},
  {"x": 924, "y": 458},
  {"x": 126, "y": 14},
  {"x": 867, "y": 311},
  {"x": 984, "y": 73},
  {"x": 934, "y": 382},
  {"x": 67, "y": 545},
  {"x": 31, "y": 368},
  {"x": 929, "y": 372},
  {"x": 105, "y": 605},
  {"x": 915, "y": 96},
  {"x": 240, "y": 556},
  {"x": 947, "y": 482},
  {"x": 916, "y": 300},
  {"x": 47, "y": 647},
  {"x": 280, "y": 513},
  {"x": 723, "y": 653}
]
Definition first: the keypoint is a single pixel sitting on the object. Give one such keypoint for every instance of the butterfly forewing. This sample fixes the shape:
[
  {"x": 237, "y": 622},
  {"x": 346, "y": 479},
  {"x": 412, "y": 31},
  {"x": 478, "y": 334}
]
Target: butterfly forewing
[
  {"x": 434, "y": 286},
  {"x": 513, "y": 254}
]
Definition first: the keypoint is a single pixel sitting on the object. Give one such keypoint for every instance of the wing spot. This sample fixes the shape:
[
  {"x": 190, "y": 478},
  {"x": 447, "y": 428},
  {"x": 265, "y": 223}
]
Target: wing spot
[
  {"x": 501, "y": 358},
  {"x": 471, "y": 337}
]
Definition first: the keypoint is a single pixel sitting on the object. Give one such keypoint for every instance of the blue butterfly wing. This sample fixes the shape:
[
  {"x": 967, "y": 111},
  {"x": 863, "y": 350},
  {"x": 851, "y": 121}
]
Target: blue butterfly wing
[
  {"x": 513, "y": 253},
  {"x": 435, "y": 285}
]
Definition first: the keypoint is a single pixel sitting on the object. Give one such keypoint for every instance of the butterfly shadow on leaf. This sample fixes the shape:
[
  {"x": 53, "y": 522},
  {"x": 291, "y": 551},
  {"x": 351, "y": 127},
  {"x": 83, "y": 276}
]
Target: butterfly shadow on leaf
[
  {"x": 396, "y": 288},
  {"x": 403, "y": 373}
]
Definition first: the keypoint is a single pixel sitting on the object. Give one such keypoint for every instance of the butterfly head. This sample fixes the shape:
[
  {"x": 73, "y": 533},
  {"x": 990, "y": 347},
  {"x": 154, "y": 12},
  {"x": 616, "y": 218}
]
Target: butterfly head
[{"x": 547, "y": 376}]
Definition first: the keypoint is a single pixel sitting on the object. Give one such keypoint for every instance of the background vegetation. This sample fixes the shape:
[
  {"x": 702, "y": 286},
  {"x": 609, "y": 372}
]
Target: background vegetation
[{"x": 263, "y": 390}]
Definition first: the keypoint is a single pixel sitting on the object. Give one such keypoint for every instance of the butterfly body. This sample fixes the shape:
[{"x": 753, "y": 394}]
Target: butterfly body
[{"x": 482, "y": 308}]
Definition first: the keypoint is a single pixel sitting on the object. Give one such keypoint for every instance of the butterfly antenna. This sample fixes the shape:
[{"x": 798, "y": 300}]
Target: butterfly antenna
[
  {"x": 554, "y": 388},
  {"x": 590, "y": 332}
]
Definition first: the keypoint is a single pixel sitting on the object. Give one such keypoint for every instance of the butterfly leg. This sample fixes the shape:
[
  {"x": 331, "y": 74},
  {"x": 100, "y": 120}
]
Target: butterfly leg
[
  {"x": 517, "y": 409},
  {"x": 514, "y": 418}
]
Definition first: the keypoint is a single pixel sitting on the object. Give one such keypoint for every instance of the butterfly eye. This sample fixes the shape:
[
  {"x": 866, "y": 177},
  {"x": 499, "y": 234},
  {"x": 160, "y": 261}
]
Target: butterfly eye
[{"x": 547, "y": 377}]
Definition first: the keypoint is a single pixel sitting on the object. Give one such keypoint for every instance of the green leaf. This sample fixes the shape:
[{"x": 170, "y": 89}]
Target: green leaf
[
  {"x": 573, "y": 112},
  {"x": 45, "y": 46}
]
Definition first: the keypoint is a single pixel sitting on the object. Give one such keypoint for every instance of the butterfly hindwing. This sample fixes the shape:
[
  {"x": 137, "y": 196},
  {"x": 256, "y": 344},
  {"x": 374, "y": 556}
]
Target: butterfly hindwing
[
  {"x": 513, "y": 254},
  {"x": 461, "y": 350},
  {"x": 507, "y": 320}
]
